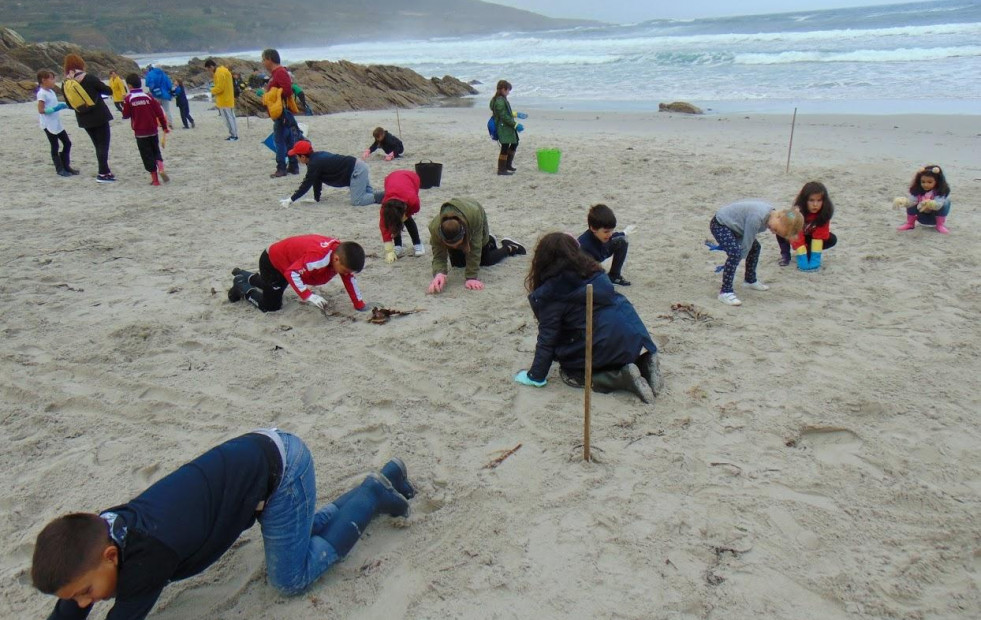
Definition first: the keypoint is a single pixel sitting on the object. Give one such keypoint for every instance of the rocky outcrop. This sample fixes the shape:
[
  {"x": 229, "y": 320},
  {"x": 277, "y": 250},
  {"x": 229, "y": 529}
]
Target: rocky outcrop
[
  {"x": 681, "y": 107},
  {"x": 338, "y": 86},
  {"x": 329, "y": 86},
  {"x": 20, "y": 62}
]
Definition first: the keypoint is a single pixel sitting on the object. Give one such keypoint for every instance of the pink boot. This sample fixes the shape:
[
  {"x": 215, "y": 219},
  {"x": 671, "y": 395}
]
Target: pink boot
[
  {"x": 940, "y": 225},
  {"x": 910, "y": 223},
  {"x": 160, "y": 169}
]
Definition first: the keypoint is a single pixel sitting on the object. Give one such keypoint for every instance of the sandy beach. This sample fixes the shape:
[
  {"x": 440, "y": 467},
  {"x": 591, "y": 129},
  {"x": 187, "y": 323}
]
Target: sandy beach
[{"x": 814, "y": 455}]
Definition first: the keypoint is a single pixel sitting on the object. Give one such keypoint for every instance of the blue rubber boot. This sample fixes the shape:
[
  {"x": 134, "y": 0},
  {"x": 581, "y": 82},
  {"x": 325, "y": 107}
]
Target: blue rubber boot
[
  {"x": 396, "y": 473},
  {"x": 375, "y": 495}
]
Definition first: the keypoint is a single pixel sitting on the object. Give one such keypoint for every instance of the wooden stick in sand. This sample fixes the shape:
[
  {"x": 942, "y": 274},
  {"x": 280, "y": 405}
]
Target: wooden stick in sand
[
  {"x": 589, "y": 371},
  {"x": 399, "y": 121},
  {"x": 793, "y": 123}
]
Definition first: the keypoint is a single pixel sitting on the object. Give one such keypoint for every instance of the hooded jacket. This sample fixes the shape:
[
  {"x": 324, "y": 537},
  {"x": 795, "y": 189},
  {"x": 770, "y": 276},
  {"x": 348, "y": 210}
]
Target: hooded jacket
[
  {"x": 559, "y": 304},
  {"x": 224, "y": 88},
  {"x": 400, "y": 185},
  {"x": 474, "y": 219},
  {"x": 158, "y": 84},
  {"x": 507, "y": 132}
]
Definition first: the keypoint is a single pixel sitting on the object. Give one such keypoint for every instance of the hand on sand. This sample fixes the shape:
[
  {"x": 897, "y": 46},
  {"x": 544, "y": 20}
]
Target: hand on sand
[
  {"x": 437, "y": 284},
  {"x": 285, "y": 202},
  {"x": 317, "y": 300},
  {"x": 474, "y": 285}
]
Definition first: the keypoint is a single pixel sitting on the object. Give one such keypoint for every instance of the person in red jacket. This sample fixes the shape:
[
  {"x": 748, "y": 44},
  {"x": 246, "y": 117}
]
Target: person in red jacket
[
  {"x": 301, "y": 262},
  {"x": 400, "y": 203},
  {"x": 815, "y": 204},
  {"x": 145, "y": 115}
]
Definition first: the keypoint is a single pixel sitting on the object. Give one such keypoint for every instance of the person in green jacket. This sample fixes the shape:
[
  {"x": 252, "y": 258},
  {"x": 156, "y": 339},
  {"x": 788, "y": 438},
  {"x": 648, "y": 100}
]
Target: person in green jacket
[
  {"x": 460, "y": 233},
  {"x": 507, "y": 128}
]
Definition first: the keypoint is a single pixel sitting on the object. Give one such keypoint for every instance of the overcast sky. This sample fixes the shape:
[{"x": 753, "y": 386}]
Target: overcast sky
[{"x": 629, "y": 11}]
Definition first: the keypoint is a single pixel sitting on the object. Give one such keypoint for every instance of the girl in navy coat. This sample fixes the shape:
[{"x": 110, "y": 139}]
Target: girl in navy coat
[{"x": 624, "y": 356}]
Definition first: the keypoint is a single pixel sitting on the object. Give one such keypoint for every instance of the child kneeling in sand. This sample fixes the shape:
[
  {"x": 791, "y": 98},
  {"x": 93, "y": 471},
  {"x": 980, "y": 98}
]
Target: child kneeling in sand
[
  {"x": 182, "y": 524},
  {"x": 460, "y": 234},
  {"x": 735, "y": 227},
  {"x": 387, "y": 142},
  {"x": 300, "y": 262},
  {"x": 929, "y": 200},
  {"x": 624, "y": 356},
  {"x": 399, "y": 204}
]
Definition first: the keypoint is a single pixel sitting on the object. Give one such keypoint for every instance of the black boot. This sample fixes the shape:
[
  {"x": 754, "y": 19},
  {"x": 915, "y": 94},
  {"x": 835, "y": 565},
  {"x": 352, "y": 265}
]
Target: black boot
[
  {"x": 511, "y": 161},
  {"x": 250, "y": 276},
  {"x": 240, "y": 287},
  {"x": 627, "y": 378},
  {"x": 649, "y": 365},
  {"x": 502, "y": 165},
  {"x": 60, "y": 169},
  {"x": 66, "y": 163}
]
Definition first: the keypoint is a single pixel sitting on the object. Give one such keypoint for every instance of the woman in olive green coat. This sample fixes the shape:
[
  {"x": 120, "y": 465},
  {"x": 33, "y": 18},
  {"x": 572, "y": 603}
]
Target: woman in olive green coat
[{"x": 507, "y": 129}]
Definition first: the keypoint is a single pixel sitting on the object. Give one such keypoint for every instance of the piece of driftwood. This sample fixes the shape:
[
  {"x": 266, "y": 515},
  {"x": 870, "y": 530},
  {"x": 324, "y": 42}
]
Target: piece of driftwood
[
  {"x": 691, "y": 311},
  {"x": 380, "y": 316},
  {"x": 502, "y": 458}
]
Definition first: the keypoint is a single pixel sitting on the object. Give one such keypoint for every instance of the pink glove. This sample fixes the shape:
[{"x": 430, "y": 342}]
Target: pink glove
[
  {"x": 474, "y": 285},
  {"x": 390, "y": 157},
  {"x": 366, "y": 154},
  {"x": 437, "y": 284}
]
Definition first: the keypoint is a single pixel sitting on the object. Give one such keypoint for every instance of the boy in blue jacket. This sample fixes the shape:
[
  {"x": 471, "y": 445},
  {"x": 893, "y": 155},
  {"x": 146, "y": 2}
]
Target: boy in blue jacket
[
  {"x": 601, "y": 241},
  {"x": 182, "y": 524}
]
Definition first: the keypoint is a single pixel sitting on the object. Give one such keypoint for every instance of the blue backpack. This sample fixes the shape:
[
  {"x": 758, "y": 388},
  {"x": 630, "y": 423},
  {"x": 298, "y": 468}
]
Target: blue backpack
[{"x": 492, "y": 128}]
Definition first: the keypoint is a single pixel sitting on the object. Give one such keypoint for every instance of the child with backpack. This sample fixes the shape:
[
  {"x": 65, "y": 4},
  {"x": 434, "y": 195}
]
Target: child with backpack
[
  {"x": 145, "y": 115},
  {"x": 83, "y": 93},
  {"x": 48, "y": 107}
]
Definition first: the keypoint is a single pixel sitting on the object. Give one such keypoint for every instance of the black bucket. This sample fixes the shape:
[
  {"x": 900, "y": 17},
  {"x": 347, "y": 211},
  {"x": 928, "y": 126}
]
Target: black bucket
[{"x": 430, "y": 173}]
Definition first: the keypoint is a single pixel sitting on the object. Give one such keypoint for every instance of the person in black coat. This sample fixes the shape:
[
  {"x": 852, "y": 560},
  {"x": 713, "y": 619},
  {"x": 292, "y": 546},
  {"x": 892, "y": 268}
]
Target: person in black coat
[
  {"x": 624, "y": 356},
  {"x": 93, "y": 119},
  {"x": 392, "y": 146}
]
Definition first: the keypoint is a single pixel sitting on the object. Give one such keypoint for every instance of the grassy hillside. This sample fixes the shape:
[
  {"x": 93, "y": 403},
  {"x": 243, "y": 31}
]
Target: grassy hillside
[{"x": 224, "y": 25}]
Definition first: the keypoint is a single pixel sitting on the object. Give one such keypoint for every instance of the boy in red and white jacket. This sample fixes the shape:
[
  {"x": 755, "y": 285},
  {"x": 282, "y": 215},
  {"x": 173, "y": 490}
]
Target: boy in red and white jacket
[
  {"x": 145, "y": 116},
  {"x": 400, "y": 203},
  {"x": 301, "y": 262}
]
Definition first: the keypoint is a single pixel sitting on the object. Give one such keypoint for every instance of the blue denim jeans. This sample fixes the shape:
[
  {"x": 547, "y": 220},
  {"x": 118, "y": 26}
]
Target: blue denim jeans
[
  {"x": 362, "y": 193},
  {"x": 295, "y": 554},
  {"x": 284, "y": 136}
]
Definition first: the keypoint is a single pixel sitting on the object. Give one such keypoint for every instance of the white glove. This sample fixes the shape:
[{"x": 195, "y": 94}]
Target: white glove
[
  {"x": 629, "y": 230},
  {"x": 286, "y": 202},
  {"x": 317, "y": 300}
]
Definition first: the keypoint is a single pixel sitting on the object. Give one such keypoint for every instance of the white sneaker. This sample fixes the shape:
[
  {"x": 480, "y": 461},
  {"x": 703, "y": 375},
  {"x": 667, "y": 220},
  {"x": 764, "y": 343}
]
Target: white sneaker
[
  {"x": 730, "y": 299},
  {"x": 756, "y": 286},
  {"x": 420, "y": 249},
  {"x": 399, "y": 251}
]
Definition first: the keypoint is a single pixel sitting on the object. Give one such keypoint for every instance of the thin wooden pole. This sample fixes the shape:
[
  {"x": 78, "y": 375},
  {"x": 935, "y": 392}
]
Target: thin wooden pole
[
  {"x": 793, "y": 123},
  {"x": 586, "y": 456},
  {"x": 399, "y": 121}
]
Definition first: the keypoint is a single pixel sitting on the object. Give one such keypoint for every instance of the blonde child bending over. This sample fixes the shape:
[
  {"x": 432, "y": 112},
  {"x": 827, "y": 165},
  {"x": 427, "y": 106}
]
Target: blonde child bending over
[{"x": 735, "y": 227}]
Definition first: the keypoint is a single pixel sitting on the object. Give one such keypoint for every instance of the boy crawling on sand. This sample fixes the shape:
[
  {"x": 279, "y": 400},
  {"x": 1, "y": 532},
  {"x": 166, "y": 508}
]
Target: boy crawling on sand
[
  {"x": 301, "y": 262},
  {"x": 182, "y": 524}
]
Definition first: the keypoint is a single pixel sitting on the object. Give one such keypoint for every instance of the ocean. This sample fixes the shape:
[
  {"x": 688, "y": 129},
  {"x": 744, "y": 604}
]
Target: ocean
[{"x": 923, "y": 57}]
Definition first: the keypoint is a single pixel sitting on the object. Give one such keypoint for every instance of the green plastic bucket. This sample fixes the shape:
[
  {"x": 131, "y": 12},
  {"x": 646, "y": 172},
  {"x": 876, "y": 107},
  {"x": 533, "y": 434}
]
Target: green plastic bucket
[{"x": 548, "y": 160}]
